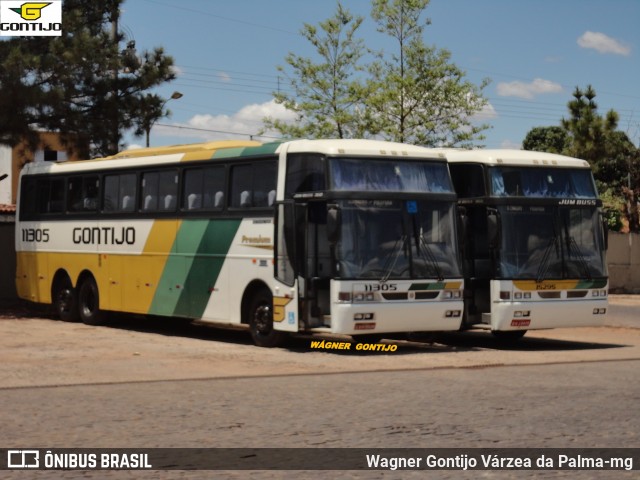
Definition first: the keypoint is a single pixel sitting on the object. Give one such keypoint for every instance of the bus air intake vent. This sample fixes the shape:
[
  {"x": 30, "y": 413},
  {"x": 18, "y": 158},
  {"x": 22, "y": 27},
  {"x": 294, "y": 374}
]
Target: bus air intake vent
[
  {"x": 427, "y": 295},
  {"x": 577, "y": 293},
  {"x": 395, "y": 296},
  {"x": 549, "y": 294}
]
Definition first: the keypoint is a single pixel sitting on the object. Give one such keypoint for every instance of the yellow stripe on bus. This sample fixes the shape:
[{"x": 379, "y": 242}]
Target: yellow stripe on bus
[
  {"x": 532, "y": 285},
  {"x": 142, "y": 274}
]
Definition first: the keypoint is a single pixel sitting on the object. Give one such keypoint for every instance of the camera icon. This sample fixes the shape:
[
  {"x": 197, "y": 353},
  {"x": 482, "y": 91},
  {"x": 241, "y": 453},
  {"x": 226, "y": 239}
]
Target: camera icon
[{"x": 23, "y": 459}]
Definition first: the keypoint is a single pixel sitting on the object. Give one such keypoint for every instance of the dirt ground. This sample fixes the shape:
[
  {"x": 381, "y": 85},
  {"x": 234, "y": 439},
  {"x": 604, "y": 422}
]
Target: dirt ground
[{"x": 38, "y": 350}]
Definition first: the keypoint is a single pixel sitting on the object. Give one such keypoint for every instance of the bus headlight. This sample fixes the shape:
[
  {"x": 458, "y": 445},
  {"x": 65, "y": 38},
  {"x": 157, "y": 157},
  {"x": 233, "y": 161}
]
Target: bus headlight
[
  {"x": 451, "y": 294},
  {"x": 361, "y": 297}
]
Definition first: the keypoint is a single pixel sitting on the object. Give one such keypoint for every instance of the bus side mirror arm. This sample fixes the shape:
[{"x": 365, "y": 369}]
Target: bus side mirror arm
[
  {"x": 494, "y": 229},
  {"x": 334, "y": 220},
  {"x": 463, "y": 223},
  {"x": 605, "y": 232}
]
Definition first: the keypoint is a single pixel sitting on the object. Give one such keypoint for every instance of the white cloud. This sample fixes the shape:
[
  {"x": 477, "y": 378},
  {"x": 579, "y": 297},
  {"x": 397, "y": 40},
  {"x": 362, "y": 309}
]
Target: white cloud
[
  {"x": 245, "y": 122},
  {"x": 488, "y": 112},
  {"x": 224, "y": 77},
  {"x": 603, "y": 43},
  {"x": 177, "y": 71},
  {"x": 528, "y": 90}
]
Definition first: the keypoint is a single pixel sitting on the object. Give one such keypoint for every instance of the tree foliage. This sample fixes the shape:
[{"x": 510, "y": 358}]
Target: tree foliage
[
  {"x": 588, "y": 135},
  {"x": 418, "y": 95},
  {"x": 415, "y": 95},
  {"x": 327, "y": 94},
  {"x": 546, "y": 139},
  {"x": 80, "y": 84}
]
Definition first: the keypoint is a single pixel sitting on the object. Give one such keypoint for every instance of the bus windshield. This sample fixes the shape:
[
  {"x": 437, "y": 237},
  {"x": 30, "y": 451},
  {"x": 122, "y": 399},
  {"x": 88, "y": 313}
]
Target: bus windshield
[
  {"x": 395, "y": 239},
  {"x": 551, "y": 242},
  {"x": 542, "y": 182},
  {"x": 389, "y": 175}
]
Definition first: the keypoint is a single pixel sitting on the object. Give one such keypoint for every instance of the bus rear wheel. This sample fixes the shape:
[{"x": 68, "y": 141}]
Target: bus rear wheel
[
  {"x": 65, "y": 300},
  {"x": 89, "y": 303},
  {"x": 261, "y": 321}
]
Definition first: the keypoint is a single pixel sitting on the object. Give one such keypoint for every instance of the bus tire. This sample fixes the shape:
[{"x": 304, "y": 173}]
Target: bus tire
[
  {"x": 89, "y": 303},
  {"x": 260, "y": 313},
  {"x": 65, "y": 300}
]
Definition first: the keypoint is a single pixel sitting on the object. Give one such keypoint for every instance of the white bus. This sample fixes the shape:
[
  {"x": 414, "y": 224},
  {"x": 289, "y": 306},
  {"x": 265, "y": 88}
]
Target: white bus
[
  {"x": 347, "y": 237},
  {"x": 534, "y": 242}
]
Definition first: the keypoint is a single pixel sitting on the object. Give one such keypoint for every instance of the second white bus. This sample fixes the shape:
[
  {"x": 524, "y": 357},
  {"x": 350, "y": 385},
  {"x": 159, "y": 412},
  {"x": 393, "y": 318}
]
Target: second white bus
[{"x": 534, "y": 243}]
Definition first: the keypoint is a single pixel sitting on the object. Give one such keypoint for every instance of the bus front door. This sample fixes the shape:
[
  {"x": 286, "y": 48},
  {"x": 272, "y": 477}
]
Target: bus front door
[{"x": 286, "y": 315}]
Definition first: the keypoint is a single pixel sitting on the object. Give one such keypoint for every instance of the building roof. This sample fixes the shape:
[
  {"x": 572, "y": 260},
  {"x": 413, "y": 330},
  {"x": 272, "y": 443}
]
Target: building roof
[{"x": 7, "y": 208}]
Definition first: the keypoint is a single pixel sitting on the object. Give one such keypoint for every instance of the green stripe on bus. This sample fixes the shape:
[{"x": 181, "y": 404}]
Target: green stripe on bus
[
  {"x": 193, "y": 267},
  {"x": 266, "y": 149},
  {"x": 584, "y": 284}
]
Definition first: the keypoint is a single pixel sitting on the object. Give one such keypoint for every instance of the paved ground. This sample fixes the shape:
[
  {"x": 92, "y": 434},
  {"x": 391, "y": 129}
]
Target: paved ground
[
  {"x": 145, "y": 384},
  {"x": 41, "y": 351}
]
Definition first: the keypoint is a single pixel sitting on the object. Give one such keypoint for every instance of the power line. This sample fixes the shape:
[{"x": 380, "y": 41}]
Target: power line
[
  {"x": 227, "y": 19},
  {"x": 182, "y": 127}
]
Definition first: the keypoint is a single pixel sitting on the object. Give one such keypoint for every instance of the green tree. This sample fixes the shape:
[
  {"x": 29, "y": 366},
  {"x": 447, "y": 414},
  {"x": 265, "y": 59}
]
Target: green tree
[
  {"x": 326, "y": 94},
  {"x": 80, "y": 84},
  {"x": 415, "y": 96},
  {"x": 418, "y": 95},
  {"x": 588, "y": 131},
  {"x": 596, "y": 138},
  {"x": 615, "y": 160},
  {"x": 546, "y": 139}
]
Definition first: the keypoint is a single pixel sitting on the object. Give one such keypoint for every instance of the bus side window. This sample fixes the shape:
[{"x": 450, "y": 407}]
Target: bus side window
[
  {"x": 28, "y": 192},
  {"x": 203, "y": 188},
  {"x": 149, "y": 195},
  {"x": 159, "y": 191},
  {"x": 83, "y": 194},
  {"x": 264, "y": 182},
  {"x": 241, "y": 186},
  {"x": 305, "y": 173},
  {"x": 119, "y": 193},
  {"x": 128, "y": 192},
  {"x": 252, "y": 184},
  {"x": 468, "y": 180}
]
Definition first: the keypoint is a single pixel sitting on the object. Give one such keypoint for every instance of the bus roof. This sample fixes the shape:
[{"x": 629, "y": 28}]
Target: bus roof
[
  {"x": 358, "y": 147},
  {"x": 233, "y": 149},
  {"x": 510, "y": 157},
  {"x": 185, "y": 148}
]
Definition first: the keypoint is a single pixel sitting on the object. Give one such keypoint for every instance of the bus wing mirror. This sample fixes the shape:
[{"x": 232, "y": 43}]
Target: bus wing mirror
[
  {"x": 334, "y": 220},
  {"x": 493, "y": 229},
  {"x": 605, "y": 231},
  {"x": 463, "y": 222}
]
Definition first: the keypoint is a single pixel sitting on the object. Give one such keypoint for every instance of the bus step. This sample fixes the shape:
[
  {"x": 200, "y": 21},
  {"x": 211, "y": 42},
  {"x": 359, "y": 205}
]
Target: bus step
[
  {"x": 486, "y": 318},
  {"x": 320, "y": 329},
  {"x": 481, "y": 326}
]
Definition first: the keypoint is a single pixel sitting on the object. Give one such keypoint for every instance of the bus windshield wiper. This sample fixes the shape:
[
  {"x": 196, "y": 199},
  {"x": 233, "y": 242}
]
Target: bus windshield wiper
[
  {"x": 573, "y": 248},
  {"x": 424, "y": 250},
  {"x": 392, "y": 258},
  {"x": 544, "y": 263}
]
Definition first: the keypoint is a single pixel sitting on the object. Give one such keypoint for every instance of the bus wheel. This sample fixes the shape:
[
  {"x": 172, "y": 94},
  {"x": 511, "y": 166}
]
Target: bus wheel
[
  {"x": 261, "y": 321},
  {"x": 65, "y": 300},
  {"x": 508, "y": 336},
  {"x": 89, "y": 303}
]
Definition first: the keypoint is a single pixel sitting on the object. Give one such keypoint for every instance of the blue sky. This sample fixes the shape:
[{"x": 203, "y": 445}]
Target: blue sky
[{"x": 535, "y": 52}]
